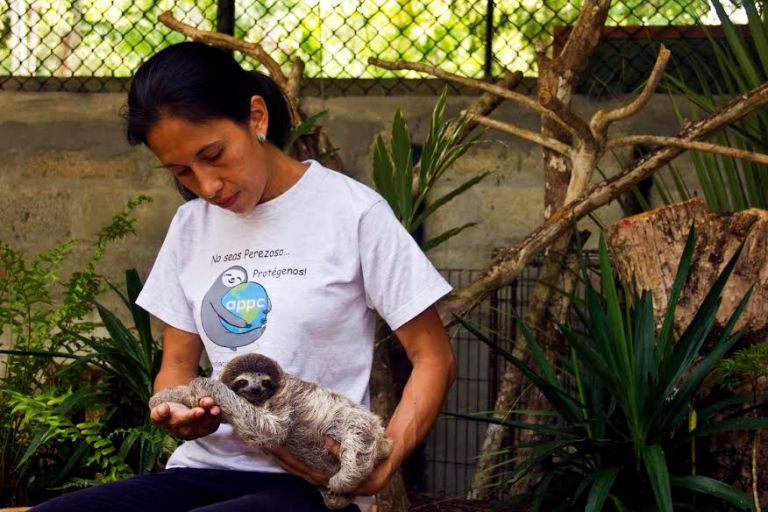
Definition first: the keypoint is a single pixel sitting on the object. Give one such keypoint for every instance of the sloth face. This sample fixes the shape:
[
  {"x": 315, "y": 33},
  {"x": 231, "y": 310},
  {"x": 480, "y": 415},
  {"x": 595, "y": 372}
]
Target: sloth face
[
  {"x": 254, "y": 387},
  {"x": 253, "y": 376}
]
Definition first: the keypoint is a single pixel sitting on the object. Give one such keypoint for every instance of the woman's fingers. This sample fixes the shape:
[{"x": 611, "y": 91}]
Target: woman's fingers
[
  {"x": 185, "y": 423},
  {"x": 296, "y": 466}
]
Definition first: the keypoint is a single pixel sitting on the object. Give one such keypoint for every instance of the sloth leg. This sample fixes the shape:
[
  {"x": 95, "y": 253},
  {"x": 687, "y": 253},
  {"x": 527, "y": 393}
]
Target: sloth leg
[
  {"x": 335, "y": 501},
  {"x": 357, "y": 459}
]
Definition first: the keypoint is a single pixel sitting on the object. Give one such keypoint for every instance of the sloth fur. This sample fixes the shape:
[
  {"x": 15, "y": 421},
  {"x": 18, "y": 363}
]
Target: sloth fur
[{"x": 267, "y": 407}]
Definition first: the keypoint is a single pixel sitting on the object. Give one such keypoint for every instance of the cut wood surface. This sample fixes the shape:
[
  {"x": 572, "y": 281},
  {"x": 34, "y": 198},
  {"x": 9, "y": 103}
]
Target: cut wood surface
[{"x": 647, "y": 248}]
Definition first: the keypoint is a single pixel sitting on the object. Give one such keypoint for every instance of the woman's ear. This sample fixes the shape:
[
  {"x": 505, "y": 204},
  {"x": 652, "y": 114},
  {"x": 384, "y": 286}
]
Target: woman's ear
[{"x": 259, "y": 120}]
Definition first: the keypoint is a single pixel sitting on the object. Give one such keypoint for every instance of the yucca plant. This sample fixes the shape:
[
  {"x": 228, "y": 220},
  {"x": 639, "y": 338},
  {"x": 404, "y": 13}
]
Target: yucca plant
[
  {"x": 728, "y": 184},
  {"x": 393, "y": 170},
  {"x": 621, "y": 436}
]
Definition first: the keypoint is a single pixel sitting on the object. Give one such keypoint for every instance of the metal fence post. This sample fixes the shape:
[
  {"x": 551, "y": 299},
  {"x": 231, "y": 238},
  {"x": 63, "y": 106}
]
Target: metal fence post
[
  {"x": 488, "y": 64},
  {"x": 225, "y": 16}
]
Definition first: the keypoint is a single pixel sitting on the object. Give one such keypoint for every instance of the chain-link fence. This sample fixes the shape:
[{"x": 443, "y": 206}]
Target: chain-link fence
[{"x": 96, "y": 45}]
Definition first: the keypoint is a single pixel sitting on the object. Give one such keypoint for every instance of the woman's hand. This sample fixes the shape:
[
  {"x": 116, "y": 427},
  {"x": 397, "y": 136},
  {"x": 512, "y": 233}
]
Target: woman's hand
[
  {"x": 296, "y": 466},
  {"x": 185, "y": 423},
  {"x": 319, "y": 478}
]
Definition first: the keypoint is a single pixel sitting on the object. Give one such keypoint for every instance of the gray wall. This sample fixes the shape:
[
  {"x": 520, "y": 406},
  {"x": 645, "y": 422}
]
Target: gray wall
[{"x": 65, "y": 169}]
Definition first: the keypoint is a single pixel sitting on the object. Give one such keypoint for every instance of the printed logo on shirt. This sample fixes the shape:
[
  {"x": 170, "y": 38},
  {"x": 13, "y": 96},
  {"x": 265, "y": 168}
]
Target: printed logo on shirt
[{"x": 234, "y": 310}]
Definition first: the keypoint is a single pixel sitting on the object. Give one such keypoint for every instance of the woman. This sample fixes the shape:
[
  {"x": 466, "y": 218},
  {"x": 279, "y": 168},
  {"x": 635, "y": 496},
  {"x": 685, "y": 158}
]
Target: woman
[{"x": 275, "y": 256}]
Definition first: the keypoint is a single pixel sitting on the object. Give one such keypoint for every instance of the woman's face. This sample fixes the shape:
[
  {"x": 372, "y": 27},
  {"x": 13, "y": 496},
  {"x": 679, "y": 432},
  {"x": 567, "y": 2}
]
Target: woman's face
[{"x": 219, "y": 160}]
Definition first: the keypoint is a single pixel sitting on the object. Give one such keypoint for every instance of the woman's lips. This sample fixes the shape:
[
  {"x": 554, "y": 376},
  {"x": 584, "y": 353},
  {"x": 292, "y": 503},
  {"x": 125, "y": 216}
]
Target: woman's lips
[{"x": 228, "y": 201}]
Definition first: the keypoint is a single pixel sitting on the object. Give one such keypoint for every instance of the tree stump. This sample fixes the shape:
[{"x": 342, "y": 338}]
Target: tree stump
[{"x": 647, "y": 248}]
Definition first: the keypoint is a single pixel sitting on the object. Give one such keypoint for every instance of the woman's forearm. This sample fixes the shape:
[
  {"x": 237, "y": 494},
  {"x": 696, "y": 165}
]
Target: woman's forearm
[{"x": 434, "y": 370}]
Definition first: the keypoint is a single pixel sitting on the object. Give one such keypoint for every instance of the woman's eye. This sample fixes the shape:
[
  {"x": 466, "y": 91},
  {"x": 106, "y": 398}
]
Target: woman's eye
[
  {"x": 179, "y": 171},
  {"x": 214, "y": 156}
]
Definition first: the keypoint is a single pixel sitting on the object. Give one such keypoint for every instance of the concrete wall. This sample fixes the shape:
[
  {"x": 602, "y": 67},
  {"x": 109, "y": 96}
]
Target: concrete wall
[{"x": 65, "y": 169}]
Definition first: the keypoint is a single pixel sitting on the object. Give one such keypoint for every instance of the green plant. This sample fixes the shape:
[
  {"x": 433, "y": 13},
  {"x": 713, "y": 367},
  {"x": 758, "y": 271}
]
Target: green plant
[
  {"x": 393, "y": 170},
  {"x": 60, "y": 375},
  {"x": 43, "y": 412},
  {"x": 728, "y": 184},
  {"x": 621, "y": 438}
]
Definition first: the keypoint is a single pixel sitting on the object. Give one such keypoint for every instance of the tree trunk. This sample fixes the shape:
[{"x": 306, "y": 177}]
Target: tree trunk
[
  {"x": 393, "y": 498},
  {"x": 558, "y": 78}
]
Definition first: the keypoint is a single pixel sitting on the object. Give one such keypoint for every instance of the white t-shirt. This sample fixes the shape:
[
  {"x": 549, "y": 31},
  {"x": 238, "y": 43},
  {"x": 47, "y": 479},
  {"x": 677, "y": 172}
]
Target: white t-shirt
[{"x": 297, "y": 279}]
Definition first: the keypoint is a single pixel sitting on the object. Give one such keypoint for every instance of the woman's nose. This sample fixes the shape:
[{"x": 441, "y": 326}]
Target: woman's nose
[{"x": 210, "y": 185}]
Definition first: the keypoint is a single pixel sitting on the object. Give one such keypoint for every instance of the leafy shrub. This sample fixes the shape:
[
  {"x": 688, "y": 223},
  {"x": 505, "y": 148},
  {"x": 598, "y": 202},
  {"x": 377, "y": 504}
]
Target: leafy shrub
[
  {"x": 624, "y": 412},
  {"x": 64, "y": 382}
]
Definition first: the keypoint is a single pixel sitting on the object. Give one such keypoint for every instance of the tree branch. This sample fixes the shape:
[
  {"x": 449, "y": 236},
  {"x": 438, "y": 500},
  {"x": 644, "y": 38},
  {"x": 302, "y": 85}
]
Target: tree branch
[
  {"x": 289, "y": 86},
  {"x": 494, "y": 89},
  {"x": 228, "y": 42},
  {"x": 293, "y": 86},
  {"x": 487, "y": 102},
  {"x": 510, "y": 262},
  {"x": 602, "y": 118},
  {"x": 547, "y": 142},
  {"x": 581, "y": 129},
  {"x": 689, "y": 144},
  {"x": 483, "y": 105}
]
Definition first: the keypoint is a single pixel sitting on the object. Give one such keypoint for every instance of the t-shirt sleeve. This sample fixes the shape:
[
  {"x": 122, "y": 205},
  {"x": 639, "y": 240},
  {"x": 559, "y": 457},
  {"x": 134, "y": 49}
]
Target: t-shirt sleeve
[
  {"x": 162, "y": 294},
  {"x": 400, "y": 282}
]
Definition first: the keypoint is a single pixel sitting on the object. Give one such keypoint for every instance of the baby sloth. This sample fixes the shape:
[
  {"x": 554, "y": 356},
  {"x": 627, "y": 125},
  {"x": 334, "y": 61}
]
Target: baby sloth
[{"x": 267, "y": 407}]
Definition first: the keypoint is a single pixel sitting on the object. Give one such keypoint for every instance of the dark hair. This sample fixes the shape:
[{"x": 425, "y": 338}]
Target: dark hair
[{"x": 199, "y": 82}]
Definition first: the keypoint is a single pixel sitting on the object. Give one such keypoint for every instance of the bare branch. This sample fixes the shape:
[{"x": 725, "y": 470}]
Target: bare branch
[
  {"x": 603, "y": 118},
  {"x": 487, "y": 102},
  {"x": 293, "y": 85},
  {"x": 494, "y": 89},
  {"x": 581, "y": 129},
  {"x": 583, "y": 38},
  {"x": 510, "y": 262},
  {"x": 688, "y": 144},
  {"x": 547, "y": 142},
  {"x": 483, "y": 105},
  {"x": 228, "y": 42}
]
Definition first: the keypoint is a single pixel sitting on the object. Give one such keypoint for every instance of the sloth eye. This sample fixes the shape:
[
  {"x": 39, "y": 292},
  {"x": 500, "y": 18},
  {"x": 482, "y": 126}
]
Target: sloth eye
[{"x": 239, "y": 384}]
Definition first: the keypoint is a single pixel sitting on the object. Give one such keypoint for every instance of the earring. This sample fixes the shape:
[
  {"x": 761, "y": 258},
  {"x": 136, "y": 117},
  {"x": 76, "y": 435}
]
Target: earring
[{"x": 261, "y": 137}]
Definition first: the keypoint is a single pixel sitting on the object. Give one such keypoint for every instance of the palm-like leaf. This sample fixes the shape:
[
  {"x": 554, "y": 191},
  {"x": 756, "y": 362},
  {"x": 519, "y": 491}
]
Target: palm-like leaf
[
  {"x": 623, "y": 401},
  {"x": 728, "y": 184},
  {"x": 393, "y": 170}
]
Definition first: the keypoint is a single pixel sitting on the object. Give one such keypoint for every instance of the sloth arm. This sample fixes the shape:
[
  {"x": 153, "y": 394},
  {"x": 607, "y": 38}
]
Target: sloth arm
[
  {"x": 226, "y": 314},
  {"x": 257, "y": 426},
  {"x": 181, "y": 359}
]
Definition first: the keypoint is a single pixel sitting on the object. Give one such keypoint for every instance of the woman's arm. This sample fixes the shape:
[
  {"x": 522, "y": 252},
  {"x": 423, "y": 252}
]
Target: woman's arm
[
  {"x": 181, "y": 358},
  {"x": 434, "y": 370}
]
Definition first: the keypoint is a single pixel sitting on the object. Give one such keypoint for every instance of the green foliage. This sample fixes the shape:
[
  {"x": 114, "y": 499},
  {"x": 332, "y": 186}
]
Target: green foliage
[
  {"x": 393, "y": 170},
  {"x": 728, "y": 184},
  {"x": 622, "y": 402},
  {"x": 307, "y": 126},
  {"x": 65, "y": 381},
  {"x": 748, "y": 364},
  {"x": 111, "y": 37},
  {"x": 41, "y": 412}
]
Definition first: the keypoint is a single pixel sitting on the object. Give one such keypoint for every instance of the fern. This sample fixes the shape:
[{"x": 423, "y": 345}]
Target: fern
[
  {"x": 746, "y": 364},
  {"x": 39, "y": 412}
]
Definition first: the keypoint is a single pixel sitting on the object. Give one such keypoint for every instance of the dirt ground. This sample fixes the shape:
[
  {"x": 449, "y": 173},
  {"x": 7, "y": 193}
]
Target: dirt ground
[{"x": 423, "y": 504}]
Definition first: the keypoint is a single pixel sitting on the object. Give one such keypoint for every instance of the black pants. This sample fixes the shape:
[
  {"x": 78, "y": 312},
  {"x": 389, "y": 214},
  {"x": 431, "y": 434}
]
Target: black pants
[{"x": 201, "y": 490}]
